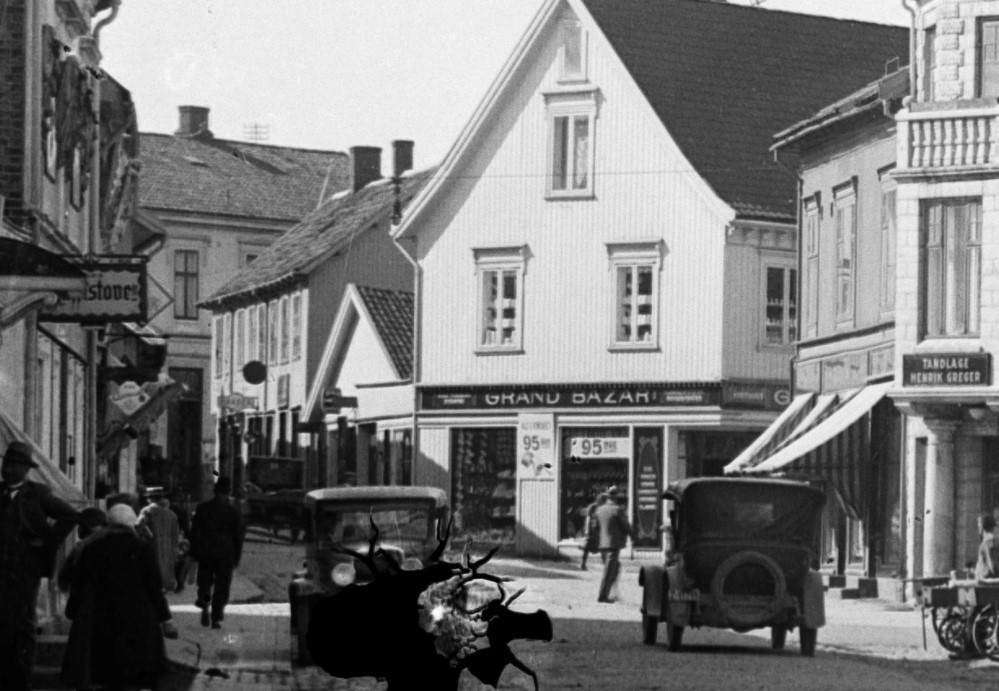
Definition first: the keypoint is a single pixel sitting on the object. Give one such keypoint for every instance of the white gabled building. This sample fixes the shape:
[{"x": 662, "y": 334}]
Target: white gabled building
[{"x": 606, "y": 260}]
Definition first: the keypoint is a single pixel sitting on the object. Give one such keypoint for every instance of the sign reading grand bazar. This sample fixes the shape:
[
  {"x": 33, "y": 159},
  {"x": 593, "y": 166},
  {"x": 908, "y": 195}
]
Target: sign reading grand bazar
[{"x": 725, "y": 394}]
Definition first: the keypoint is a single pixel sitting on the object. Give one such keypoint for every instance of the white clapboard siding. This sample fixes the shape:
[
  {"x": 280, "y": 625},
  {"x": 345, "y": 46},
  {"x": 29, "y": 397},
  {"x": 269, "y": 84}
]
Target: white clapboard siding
[
  {"x": 433, "y": 466},
  {"x": 644, "y": 190}
]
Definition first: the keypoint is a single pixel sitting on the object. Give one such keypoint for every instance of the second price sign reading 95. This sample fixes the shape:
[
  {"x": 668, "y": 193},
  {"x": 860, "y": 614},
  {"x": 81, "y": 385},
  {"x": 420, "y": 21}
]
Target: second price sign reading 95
[{"x": 597, "y": 447}]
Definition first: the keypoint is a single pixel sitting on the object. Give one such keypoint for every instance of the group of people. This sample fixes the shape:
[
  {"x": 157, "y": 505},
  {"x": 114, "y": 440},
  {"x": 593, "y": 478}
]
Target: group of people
[
  {"x": 116, "y": 576},
  {"x": 607, "y": 530}
]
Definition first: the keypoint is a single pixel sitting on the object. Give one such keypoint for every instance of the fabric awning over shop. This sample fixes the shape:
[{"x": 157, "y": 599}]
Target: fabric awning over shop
[
  {"x": 122, "y": 429},
  {"x": 47, "y": 472},
  {"x": 774, "y": 435},
  {"x": 24, "y": 266},
  {"x": 836, "y": 449}
]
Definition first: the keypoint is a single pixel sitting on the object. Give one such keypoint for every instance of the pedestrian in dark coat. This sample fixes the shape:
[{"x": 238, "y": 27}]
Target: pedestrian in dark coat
[
  {"x": 33, "y": 523},
  {"x": 120, "y": 615},
  {"x": 217, "y": 545},
  {"x": 614, "y": 532},
  {"x": 591, "y": 530}
]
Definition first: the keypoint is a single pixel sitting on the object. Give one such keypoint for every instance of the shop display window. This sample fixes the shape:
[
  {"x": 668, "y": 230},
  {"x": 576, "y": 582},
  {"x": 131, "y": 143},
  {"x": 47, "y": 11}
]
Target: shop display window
[
  {"x": 589, "y": 468},
  {"x": 483, "y": 484}
]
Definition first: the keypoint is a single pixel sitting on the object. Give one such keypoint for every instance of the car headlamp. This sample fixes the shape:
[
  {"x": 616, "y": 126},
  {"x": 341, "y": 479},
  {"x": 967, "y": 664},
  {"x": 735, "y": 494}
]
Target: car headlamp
[
  {"x": 411, "y": 564},
  {"x": 344, "y": 573}
]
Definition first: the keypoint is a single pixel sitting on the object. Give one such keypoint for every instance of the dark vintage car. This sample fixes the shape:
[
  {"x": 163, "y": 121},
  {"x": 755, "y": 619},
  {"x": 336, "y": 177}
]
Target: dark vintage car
[
  {"x": 744, "y": 555},
  {"x": 411, "y": 521}
]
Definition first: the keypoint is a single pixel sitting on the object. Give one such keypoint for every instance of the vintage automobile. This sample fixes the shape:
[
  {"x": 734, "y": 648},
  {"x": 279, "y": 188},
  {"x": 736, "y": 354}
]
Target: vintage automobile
[
  {"x": 411, "y": 521},
  {"x": 743, "y": 556}
]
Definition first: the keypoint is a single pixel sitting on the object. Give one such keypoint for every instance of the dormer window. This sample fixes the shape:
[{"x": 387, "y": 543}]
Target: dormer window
[{"x": 573, "y": 52}]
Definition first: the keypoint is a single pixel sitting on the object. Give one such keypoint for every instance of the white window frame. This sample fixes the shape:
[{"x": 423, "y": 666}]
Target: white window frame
[
  {"x": 273, "y": 340},
  {"x": 239, "y": 338},
  {"x": 845, "y": 197},
  {"x": 261, "y": 335},
  {"x": 938, "y": 316},
  {"x": 571, "y": 106},
  {"x": 633, "y": 255},
  {"x": 226, "y": 345},
  {"x": 788, "y": 318},
  {"x": 501, "y": 260},
  {"x": 572, "y": 31},
  {"x": 251, "y": 333},
  {"x": 218, "y": 336},
  {"x": 811, "y": 229}
]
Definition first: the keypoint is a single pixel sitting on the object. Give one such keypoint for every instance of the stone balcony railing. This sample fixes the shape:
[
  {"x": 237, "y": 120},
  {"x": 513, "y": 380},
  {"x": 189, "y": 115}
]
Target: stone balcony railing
[{"x": 942, "y": 139}]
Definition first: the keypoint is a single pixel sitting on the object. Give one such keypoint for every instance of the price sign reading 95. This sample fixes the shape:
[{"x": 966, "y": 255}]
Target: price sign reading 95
[
  {"x": 536, "y": 447},
  {"x": 597, "y": 447}
]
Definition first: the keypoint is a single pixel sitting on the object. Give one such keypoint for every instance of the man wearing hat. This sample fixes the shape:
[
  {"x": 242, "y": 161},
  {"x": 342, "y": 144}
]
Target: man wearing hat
[
  {"x": 614, "y": 532},
  {"x": 33, "y": 523},
  {"x": 217, "y": 544}
]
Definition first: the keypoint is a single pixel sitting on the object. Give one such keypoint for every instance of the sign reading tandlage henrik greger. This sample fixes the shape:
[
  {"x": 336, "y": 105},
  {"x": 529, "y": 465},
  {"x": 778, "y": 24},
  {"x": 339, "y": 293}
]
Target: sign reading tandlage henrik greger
[
  {"x": 115, "y": 292},
  {"x": 947, "y": 369}
]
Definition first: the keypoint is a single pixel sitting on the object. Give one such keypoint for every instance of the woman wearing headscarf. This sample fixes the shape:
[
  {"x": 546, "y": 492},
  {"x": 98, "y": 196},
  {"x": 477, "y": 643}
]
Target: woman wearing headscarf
[{"x": 118, "y": 610}]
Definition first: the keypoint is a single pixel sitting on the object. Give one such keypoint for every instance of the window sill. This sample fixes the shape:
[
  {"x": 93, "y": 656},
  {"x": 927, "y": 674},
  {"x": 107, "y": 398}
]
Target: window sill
[
  {"x": 633, "y": 348},
  {"x": 778, "y": 347},
  {"x": 969, "y": 344},
  {"x": 569, "y": 196},
  {"x": 508, "y": 350}
]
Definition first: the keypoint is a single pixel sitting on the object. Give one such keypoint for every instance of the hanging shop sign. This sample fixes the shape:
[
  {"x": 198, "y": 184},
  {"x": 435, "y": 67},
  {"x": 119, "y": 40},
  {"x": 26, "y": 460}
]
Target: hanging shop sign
[
  {"x": 755, "y": 396},
  {"x": 947, "y": 369},
  {"x": 115, "y": 291},
  {"x": 569, "y": 396},
  {"x": 236, "y": 403},
  {"x": 128, "y": 397},
  {"x": 536, "y": 446}
]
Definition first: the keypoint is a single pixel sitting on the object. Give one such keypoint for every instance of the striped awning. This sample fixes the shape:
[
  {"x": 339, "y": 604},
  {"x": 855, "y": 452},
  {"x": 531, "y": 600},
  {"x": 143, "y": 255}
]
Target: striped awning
[
  {"x": 774, "y": 435},
  {"x": 837, "y": 449}
]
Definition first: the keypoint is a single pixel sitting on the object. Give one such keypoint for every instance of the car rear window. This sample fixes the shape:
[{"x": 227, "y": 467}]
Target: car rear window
[{"x": 748, "y": 512}]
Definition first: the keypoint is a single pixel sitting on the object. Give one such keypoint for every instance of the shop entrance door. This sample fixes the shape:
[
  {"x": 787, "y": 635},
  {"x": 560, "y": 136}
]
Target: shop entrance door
[{"x": 593, "y": 461}]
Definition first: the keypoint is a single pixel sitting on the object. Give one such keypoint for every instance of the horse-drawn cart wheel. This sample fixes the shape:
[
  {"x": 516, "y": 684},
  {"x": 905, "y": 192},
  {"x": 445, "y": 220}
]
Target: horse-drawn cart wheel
[{"x": 949, "y": 624}]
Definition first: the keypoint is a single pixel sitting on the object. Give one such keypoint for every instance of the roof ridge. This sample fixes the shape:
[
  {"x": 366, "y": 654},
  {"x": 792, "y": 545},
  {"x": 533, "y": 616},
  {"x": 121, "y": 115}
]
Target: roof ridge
[{"x": 242, "y": 143}]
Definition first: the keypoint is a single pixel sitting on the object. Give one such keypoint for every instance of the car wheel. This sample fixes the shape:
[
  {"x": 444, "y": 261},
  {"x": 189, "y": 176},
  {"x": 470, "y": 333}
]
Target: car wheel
[
  {"x": 778, "y": 637},
  {"x": 674, "y": 636},
  {"x": 650, "y": 629},
  {"x": 808, "y": 640}
]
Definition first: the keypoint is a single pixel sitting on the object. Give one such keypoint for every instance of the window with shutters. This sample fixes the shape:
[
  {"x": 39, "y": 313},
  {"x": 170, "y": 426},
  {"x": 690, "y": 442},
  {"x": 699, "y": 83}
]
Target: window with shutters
[
  {"x": 845, "y": 223},
  {"x": 988, "y": 57},
  {"x": 950, "y": 247}
]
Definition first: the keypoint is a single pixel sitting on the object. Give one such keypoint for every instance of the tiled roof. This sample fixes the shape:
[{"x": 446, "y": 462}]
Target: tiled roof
[
  {"x": 218, "y": 176},
  {"x": 724, "y": 78},
  {"x": 392, "y": 313},
  {"x": 318, "y": 234}
]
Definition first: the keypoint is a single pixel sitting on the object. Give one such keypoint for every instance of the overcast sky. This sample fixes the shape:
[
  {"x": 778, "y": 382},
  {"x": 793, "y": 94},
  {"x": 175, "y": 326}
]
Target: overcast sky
[{"x": 331, "y": 74}]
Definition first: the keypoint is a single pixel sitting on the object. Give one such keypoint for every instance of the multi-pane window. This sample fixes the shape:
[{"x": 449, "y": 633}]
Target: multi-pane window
[
  {"x": 251, "y": 334},
  {"x": 185, "y": 284},
  {"x": 780, "y": 306},
  {"x": 500, "y": 275},
  {"x": 262, "y": 332},
  {"x": 240, "y": 344},
  {"x": 573, "y": 51},
  {"x": 273, "y": 330},
  {"x": 951, "y": 266},
  {"x": 571, "y": 154},
  {"x": 217, "y": 339},
  {"x": 296, "y": 326},
  {"x": 888, "y": 253},
  {"x": 988, "y": 57},
  {"x": 635, "y": 271},
  {"x": 810, "y": 229},
  {"x": 846, "y": 254},
  {"x": 285, "y": 329}
]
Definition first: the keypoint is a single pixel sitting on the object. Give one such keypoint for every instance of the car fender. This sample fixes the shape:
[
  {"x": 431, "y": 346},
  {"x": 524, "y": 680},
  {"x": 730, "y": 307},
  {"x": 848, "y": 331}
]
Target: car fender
[
  {"x": 678, "y": 613},
  {"x": 652, "y": 580},
  {"x": 813, "y": 603}
]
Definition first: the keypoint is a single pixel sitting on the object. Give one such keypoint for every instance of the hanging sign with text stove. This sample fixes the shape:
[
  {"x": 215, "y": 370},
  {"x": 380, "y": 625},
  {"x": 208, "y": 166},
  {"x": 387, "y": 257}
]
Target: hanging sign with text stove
[{"x": 115, "y": 292}]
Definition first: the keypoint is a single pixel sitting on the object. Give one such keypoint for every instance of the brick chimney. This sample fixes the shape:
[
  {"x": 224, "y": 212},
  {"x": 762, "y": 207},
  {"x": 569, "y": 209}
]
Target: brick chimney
[
  {"x": 193, "y": 122},
  {"x": 402, "y": 156},
  {"x": 365, "y": 166}
]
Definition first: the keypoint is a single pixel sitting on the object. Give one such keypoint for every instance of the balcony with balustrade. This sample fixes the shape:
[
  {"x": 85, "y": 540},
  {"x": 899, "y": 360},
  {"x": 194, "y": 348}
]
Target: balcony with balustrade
[{"x": 952, "y": 141}]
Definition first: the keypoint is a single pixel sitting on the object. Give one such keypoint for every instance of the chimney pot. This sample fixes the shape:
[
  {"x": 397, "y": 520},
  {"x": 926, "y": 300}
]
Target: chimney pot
[
  {"x": 193, "y": 122},
  {"x": 366, "y": 166},
  {"x": 402, "y": 150}
]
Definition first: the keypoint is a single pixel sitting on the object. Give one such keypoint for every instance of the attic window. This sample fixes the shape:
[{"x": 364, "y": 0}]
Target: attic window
[
  {"x": 573, "y": 53},
  {"x": 195, "y": 161}
]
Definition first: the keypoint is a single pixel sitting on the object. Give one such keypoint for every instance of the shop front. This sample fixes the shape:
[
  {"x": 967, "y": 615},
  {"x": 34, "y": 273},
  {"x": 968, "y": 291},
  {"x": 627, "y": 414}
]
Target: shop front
[{"x": 523, "y": 463}]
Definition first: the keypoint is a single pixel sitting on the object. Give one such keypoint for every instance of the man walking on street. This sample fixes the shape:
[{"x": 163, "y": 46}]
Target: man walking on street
[
  {"x": 614, "y": 532},
  {"x": 217, "y": 544},
  {"x": 28, "y": 544}
]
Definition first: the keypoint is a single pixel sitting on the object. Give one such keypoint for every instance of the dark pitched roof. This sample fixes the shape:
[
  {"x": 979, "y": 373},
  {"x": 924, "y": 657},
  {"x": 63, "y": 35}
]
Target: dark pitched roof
[
  {"x": 318, "y": 234},
  {"x": 218, "y": 176},
  {"x": 392, "y": 313},
  {"x": 723, "y": 78}
]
